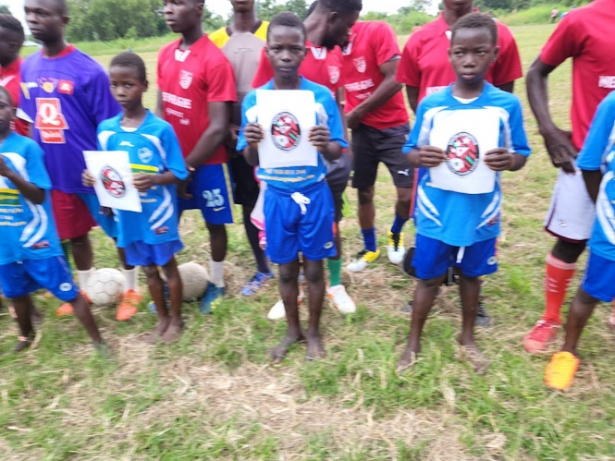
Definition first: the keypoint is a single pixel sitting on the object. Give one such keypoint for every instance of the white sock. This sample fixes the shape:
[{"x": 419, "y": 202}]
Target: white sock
[
  {"x": 84, "y": 276},
  {"x": 132, "y": 279},
  {"x": 216, "y": 273}
]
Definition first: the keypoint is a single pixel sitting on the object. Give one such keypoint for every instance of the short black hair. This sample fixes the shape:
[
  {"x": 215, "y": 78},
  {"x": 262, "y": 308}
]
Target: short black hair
[
  {"x": 6, "y": 93},
  {"x": 12, "y": 24},
  {"x": 342, "y": 7},
  {"x": 476, "y": 21},
  {"x": 287, "y": 19},
  {"x": 130, "y": 59}
]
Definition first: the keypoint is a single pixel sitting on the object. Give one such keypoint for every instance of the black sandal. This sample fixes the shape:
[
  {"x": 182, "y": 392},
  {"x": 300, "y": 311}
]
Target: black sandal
[{"x": 24, "y": 342}]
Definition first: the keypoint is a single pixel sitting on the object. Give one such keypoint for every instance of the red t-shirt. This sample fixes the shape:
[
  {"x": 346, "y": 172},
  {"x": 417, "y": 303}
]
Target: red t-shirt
[
  {"x": 424, "y": 63},
  {"x": 188, "y": 80},
  {"x": 320, "y": 65},
  {"x": 9, "y": 78},
  {"x": 585, "y": 35},
  {"x": 372, "y": 43}
]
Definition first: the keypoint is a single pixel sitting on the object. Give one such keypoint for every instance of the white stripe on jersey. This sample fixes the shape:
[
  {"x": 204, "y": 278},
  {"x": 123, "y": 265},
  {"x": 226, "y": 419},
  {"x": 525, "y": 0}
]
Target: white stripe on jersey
[
  {"x": 604, "y": 209},
  {"x": 167, "y": 206},
  {"x": 158, "y": 145},
  {"x": 426, "y": 207},
  {"x": 40, "y": 220}
]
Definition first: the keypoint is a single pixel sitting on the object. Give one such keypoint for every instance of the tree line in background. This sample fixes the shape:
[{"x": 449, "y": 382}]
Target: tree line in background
[{"x": 105, "y": 20}]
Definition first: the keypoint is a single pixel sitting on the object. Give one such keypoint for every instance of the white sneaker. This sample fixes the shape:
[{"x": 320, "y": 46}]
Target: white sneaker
[
  {"x": 395, "y": 249},
  {"x": 340, "y": 299},
  {"x": 364, "y": 259},
  {"x": 278, "y": 311}
]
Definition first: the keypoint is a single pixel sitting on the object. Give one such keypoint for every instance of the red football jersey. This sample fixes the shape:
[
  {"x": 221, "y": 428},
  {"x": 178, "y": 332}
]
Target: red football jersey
[
  {"x": 188, "y": 80},
  {"x": 320, "y": 65},
  {"x": 424, "y": 63},
  {"x": 586, "y": 35},
  {"x": 9, "y": 78},
  {"x": 372, "y": 43}
]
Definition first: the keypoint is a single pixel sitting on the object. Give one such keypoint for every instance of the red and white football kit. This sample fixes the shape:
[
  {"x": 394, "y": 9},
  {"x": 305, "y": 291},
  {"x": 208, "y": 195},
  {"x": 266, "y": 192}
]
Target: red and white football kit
[
  {"x": 372, "y": 43},
  {"x": 425, "y": 63},
  {"x": 585, "y": 35},
  {"x": 9, "y": 79},
  {"x": 188, "y": 80},
  {"x": 320, "y": 65}
]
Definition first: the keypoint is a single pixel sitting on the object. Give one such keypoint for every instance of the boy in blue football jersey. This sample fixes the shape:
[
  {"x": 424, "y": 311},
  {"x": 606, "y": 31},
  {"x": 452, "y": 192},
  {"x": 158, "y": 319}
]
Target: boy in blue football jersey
[
  {"x": 31, "y": 256},
  {"x": 453, "y": 228},
  {"x": 597, "y": 162},
  {"x": 299, "y": 211},
  {"x": 150, "y": 239}
]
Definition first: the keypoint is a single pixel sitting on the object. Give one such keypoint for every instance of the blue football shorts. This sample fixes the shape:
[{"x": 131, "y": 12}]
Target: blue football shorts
[
  {"x": 25, "y": 277},
  {"x": 212, "y": 193},
  {"x": 599, "y": 277},
  {"x": 432, "y": 258},
  {"x": 300, "y": 221},
  {"x": 145, "y": 254}
]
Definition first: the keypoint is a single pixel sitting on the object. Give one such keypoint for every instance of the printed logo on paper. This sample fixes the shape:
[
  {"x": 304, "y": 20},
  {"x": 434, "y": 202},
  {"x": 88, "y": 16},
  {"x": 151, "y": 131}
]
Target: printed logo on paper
[
  {"x": 462, "y": 154},
  {"x": 112, "y": 181},
  {"x": 285, "y": 131}
]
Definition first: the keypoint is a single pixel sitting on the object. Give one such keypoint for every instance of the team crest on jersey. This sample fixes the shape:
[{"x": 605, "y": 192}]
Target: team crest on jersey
[
  {"x": 50, "y": 121},
  {"x": 462, "y": 154},
  {"x": 145, "y": 155},
  {"x": 185, "y": 79},
  {"x": 360, "y": 64},
  {"x": 334, "y": 74},
  {"x": 66, "y": 87},
  {"x": 48, "y": 84},
  {"x": 112, "y": 181},
  {"x": 285, "y": 131}
]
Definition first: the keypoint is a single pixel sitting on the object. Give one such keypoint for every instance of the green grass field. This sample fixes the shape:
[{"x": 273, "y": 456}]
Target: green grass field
[{"x": 213, "y": 395}]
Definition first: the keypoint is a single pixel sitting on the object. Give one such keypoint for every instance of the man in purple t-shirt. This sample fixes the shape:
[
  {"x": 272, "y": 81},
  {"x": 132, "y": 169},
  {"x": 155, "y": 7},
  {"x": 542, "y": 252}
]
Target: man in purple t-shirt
[{"x": 66, "y": 95}]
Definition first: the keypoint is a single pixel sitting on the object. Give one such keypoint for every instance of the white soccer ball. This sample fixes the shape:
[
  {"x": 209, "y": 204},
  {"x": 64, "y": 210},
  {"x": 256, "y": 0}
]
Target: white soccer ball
[
  {"x": 194, "y": 279},
  {"x": 105, "y": 286}
]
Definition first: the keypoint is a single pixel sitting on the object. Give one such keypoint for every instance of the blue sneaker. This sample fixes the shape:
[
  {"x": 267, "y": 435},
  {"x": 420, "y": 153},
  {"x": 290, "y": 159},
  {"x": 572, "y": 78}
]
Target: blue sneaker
[
  {"x": 211, "y": 298},
  {"x": 167, "y": 298},
  {"x": 256, "y": 283}
]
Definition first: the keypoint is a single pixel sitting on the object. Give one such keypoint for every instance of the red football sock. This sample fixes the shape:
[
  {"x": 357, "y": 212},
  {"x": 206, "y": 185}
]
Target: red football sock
[{"x": 557, "y": 279}]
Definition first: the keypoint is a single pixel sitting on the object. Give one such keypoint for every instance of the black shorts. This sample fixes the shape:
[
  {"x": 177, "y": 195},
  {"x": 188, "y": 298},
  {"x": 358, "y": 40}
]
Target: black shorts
[
  {"x": 371, "y": 146},
  {"x": 246, "y": 187},
  {"x": 337, "y": 178}
]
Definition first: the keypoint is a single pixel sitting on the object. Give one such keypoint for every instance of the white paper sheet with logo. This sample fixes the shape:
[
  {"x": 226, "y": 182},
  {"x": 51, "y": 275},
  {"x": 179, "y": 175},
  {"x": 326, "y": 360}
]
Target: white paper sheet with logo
[
  {"x": 465, "y": 136},
  {"x": 287, "y": 117},
  {"x": 113, "y": 175}
]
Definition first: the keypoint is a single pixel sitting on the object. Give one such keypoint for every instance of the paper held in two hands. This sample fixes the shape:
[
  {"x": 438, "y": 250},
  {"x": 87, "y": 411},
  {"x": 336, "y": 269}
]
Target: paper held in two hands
[
  {"x": 286, "y": 117},
  {"x": 114, "y": 179},
  {"x": 464, "y": 136}
]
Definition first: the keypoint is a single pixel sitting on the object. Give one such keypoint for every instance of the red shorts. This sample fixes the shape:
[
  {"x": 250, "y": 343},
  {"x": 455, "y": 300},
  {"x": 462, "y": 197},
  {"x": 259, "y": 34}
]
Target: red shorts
[{"x": 73, "y": 218}]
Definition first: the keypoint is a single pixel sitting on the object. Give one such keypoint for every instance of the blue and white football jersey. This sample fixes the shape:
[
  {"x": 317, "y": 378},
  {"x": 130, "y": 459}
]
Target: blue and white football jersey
[
  {"x": 27, "y": 230},
  {"x": 455, "y": 218},
  {"x": 152, "y": 148},
  {"x": 326, "y": 112},
  {"x": 598, "y": 153}
]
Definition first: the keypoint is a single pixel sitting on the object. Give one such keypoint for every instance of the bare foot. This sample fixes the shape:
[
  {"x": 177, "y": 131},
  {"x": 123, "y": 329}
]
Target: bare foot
[
  {"x": 279, "y": 352},
  {"x": 476, "y": 358},
  {"x": 156, "y": 334},
  {"x": 407, "y": 360},
  {"x": 315, "y": 349},
  {"x": 24, "y": 342},
  {"x": 173, "y": 332}
]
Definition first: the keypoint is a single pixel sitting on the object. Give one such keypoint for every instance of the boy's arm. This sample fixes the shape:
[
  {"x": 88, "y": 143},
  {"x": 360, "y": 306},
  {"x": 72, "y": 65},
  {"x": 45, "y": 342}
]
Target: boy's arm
[
  {"x": 213, "y": 137},
  {"x": 29, "y": 190},
  {"x": 385, "y": 91},
  {"x": 592, "y": 179}
]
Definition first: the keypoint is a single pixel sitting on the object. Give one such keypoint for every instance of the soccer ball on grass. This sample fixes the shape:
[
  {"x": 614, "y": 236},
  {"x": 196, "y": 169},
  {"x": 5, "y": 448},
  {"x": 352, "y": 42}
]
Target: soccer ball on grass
[{"x": 105, "y": 287}]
